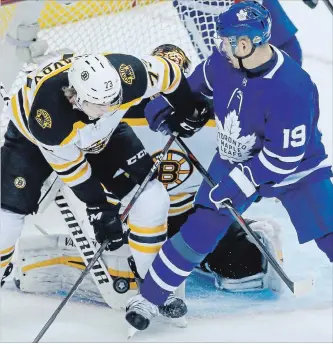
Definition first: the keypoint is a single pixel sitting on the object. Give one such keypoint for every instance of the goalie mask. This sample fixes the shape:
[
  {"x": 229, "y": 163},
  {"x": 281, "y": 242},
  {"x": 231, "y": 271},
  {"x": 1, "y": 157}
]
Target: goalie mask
[
  {"x": 97, "y": 85},
  {"x": 175, "y": 54}
]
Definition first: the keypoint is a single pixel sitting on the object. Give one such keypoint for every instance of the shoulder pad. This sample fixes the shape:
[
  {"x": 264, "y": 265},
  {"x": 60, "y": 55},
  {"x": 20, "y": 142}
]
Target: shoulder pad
[
  {"x": 132, "y": 73},
  {"x": 52, "y": 120}
]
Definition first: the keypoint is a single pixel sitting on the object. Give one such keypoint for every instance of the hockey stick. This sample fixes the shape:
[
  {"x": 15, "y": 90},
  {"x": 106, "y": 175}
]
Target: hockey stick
[
  {"x": 87, "y": 250},
  {"x": 298, "y": 288},
  {"x": 159, "y": 159},
  {"x": 329, "y": 5}
]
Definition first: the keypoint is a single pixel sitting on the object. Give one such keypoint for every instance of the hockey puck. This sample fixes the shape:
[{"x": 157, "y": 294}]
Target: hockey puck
[{"x": 121, "y": 285}]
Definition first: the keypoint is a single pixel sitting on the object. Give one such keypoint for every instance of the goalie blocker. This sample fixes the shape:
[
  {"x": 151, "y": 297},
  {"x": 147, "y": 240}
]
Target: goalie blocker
[{"x": 51, "y": 263}]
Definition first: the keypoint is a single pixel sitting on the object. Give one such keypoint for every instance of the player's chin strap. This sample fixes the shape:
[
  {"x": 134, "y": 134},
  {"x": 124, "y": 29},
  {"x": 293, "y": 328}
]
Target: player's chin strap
[
  {"x": 297, "y": 288},
  {"x": 241, "y": 58}
]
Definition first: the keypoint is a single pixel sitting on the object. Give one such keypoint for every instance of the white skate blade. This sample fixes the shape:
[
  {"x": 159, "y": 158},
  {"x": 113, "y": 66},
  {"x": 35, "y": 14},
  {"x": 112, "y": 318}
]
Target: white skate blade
[
  {"x": 180, "y": 322},
  {"x": 302, "y": 287},
  {"x": 131, "y": 332}
]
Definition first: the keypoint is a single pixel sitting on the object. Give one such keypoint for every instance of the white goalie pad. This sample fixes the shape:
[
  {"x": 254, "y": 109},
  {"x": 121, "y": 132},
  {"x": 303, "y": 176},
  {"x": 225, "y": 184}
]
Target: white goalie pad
[
  {"x": 52, "y": 264},
  {"x": 269, "y": 232}
]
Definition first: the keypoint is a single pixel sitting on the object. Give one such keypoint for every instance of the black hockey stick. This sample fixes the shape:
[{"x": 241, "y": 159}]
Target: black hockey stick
[
  {"x": 298, "y": 288},
  {"x": 159, "y": 159},
  {"x": 329, "y": 5}
]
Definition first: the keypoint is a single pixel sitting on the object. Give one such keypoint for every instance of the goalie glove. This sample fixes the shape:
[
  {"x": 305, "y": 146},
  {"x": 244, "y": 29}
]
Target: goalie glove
[{"x": 107, "y": 225}]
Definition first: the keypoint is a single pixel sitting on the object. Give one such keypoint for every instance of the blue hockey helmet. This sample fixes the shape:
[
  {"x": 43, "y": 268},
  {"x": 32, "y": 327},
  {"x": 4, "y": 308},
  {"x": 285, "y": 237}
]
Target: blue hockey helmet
[{"x": 246, "y": 18}]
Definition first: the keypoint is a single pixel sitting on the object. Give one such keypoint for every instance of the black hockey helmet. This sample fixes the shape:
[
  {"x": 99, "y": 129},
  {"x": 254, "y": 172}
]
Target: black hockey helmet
[{"x": 175, "y": 54}]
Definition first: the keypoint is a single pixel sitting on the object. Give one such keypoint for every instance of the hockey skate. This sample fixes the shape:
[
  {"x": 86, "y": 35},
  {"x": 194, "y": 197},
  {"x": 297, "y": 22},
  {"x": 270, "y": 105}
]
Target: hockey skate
[
  {"x": 140, "y": 311},
  {"x": 174, "y": 307}
]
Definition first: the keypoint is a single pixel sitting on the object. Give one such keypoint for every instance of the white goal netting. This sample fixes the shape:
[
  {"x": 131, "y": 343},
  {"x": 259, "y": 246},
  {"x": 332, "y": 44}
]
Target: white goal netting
[{"x": 127, "y": 26}]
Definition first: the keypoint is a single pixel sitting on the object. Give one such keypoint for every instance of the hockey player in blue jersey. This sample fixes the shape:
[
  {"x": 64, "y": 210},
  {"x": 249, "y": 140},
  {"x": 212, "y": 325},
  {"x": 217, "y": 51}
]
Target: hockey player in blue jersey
[
  {"x": 267, "y": 111},
  {"x": 199, "y": 19}
]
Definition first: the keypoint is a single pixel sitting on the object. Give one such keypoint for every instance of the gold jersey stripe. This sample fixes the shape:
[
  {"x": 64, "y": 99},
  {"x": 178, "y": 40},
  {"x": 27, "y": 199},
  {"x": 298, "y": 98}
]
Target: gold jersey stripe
[
  {"x": 144, "y": 249},
  {"x": 77, "y": 175},
  {"x": 48, "y": 76},
  {"x": 177, "y": 78},
  {"x": 18, "y": 119},
  {"x": 179, "y": 196},
  {"x": 148, "y": 230},
  {"x": 135, "y": 122},
  {"x": 59, "y": 167},
  {"x": 166, "y": 74},
  {"x": 125, "y": 106},
  {"x": 141, "y": 122},
  {"x": 129, "y": 104},
  {"x": 26, "y": 101},
  {"x": 180, "y": 210},
  {"x": 7, "y": 250},
  {"x": 76, "y": 126}
]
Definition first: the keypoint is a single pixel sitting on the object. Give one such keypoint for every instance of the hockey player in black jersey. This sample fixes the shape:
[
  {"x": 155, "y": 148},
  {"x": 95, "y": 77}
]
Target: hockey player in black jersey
[{"x": 66, "y": 119}]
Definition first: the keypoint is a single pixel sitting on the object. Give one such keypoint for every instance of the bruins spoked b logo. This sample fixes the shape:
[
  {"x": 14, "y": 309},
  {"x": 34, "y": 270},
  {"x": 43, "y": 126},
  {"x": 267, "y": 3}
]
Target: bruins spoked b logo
[
  {"x": 174, "y": 169},
  {"x": 84, "y": 75},
  {"x": 43, "y": 119},
  {"x": 127, "y": 73},
  {"x": 20, "y": 182}
]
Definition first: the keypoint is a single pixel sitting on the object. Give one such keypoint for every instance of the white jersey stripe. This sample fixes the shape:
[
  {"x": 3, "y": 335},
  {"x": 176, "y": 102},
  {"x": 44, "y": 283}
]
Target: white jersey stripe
[
  {"x": 171, "y": 266},
  {"x": 273, "y": 168},
  {"x": 159, "y": 282},
  {"x": 283, "y": 158}
]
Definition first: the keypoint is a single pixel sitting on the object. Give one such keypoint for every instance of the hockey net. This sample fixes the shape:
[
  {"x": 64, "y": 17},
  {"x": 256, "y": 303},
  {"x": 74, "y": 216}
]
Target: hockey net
[{"x": 127, "y": 26}]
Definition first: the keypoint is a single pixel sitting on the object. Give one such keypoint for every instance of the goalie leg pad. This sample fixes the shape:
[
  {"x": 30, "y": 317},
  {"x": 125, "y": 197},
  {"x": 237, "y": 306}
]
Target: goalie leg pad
[
  {"x": 52, "y": 264},
  {"x": 11, "y": 226},
  {"x": 148, "y": 225}
]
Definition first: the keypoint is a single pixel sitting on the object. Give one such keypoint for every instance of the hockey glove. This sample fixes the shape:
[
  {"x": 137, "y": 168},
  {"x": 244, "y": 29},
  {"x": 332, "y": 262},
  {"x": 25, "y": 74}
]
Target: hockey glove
[
  {"x": 187, "y": 126},
  {"x": 107, "y": 225},
  {"x": 236, "y": 188}
]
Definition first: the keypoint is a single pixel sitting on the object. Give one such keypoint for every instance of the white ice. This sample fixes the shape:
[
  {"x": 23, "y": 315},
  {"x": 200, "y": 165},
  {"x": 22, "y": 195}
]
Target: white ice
[{"x": 216, "y": 316}]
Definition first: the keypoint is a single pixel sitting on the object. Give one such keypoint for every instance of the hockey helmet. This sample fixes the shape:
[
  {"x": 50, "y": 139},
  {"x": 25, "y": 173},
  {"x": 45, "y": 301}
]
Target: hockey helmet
[
  {"x": 175, "y": 54},
  {"x": 95, "y": 81},
  {"x": 246, "y": 18}
]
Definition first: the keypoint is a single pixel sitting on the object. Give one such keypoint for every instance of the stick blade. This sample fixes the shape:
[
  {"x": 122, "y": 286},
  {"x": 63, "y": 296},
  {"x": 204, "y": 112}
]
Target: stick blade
[
  {"x": 131, "y": 331},
  {"x": 303, "y": 287}
]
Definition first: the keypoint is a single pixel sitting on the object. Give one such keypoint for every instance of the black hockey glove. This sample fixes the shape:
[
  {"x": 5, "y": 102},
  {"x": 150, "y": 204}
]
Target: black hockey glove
[
  {"x": 189, "y": 125},
  {"x": 107, "y": 225}
]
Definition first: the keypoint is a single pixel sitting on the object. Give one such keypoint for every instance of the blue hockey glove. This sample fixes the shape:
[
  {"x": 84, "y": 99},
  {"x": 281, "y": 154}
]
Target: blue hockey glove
[
  {"x": 236, "y": 188},
  {"x": 107, "y": 225},
  {"x": 156, "y": 113}
]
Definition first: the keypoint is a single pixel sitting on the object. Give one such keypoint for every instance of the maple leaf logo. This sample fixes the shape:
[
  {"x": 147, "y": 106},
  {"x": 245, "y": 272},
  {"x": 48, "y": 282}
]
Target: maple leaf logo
[
  {"x": 241, "y": 15},
  {"x": 232, "y": 147}
]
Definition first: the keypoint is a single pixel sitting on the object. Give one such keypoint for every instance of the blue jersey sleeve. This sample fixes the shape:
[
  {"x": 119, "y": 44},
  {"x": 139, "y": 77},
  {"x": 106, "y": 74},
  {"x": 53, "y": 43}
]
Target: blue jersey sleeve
[
  {"x": 201, "y": 80},
  {"x": 287, "y": 133}
]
